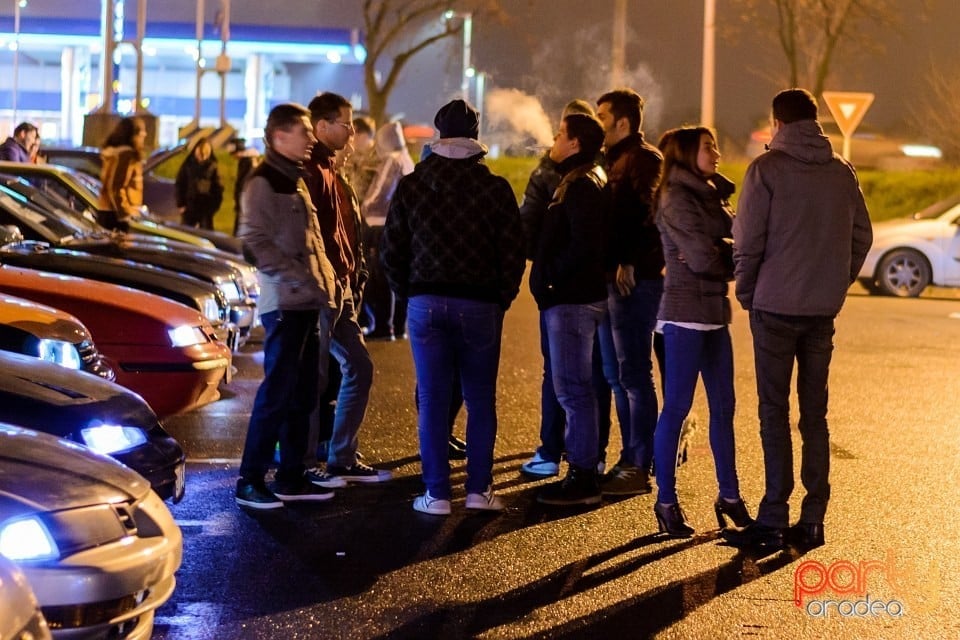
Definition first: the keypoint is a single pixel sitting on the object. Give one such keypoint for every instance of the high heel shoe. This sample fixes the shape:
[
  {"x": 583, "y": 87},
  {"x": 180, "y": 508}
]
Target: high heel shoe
[
  {"x": 671, "y": 520},
  {"x": 735, "y": 511}
]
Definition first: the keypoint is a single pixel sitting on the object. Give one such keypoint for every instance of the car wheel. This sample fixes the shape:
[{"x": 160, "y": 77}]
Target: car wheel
[{"x": 903, "y": 273}]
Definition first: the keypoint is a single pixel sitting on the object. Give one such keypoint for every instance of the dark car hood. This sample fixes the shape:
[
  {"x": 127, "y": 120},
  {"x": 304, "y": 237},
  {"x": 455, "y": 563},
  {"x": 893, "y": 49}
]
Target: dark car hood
[{"x": 40, "y": 472}]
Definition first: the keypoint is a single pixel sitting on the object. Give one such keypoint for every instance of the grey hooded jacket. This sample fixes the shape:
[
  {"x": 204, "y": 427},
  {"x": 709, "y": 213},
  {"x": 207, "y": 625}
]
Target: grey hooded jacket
[{"x": 802, "y": 230}]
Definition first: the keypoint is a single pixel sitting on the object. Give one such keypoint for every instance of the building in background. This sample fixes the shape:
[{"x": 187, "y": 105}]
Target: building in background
[{"x": 50, "y": 71}]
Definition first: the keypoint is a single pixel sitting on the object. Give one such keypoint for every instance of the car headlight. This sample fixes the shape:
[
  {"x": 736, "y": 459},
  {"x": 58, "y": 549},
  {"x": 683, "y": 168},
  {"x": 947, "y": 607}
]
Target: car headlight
[
  {"x": 186, "y": 336},
  {"x": 230, "y": 291},
  {"x": 109, "y": 438},
  {"x": 27, "y": 539},
  {"x": 210, "y": 309},
  {"x": 59, "y": 352}
]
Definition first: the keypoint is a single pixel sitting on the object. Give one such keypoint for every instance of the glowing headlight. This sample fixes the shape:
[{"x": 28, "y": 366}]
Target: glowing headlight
[
  {"x": 230, "y": 291},
  {"x": 210, "y": 309},
  {"x": 59, "y": 352},
  {"x": 108, "y": 438},
  {"x": 186, "y": 336},
  {"x": 27, "y": 539}
]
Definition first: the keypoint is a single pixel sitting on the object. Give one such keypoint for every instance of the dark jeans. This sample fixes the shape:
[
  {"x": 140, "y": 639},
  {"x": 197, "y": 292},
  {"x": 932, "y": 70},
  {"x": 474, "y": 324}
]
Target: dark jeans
[
  {"x": 450, "y": 336},
  {"x": 572, "y": 329},
  {"x": 286, "y": 397},
  {"x": 632, "y": 320},
  {"x": 778, "y": 341},
  {"x": 690, "y": 355}
]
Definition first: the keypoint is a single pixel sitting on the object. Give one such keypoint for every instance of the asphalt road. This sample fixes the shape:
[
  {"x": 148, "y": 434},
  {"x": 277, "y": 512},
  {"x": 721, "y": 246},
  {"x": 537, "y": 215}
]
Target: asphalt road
[{"x": 365, "y": 565}]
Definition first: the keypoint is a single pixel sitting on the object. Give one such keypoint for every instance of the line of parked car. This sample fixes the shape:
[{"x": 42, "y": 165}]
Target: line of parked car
[{"x": 102, "y": 334}]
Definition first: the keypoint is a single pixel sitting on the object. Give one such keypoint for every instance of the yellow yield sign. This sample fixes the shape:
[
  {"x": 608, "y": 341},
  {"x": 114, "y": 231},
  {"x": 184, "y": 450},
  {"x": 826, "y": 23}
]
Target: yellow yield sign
[{"x": 848, "y": 109}]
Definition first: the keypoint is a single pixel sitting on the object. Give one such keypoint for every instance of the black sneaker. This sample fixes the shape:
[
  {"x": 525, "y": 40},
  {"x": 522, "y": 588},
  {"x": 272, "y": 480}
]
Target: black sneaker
[
  {"x": 255, "y": 495},
  {"x": 321, "y": 478},
  {"x": 580, "y": 486},
  {"x": 303, "y": 491},
  {"x": 358, "y": 472}
]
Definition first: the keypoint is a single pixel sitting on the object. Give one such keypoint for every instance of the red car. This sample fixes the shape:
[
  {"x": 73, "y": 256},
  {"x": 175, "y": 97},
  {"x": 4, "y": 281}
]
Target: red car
[{"x": 165, "y": 351}]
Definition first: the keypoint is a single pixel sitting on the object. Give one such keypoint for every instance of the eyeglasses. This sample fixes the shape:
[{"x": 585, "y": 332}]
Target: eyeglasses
[{"x": 346, "y": 125}]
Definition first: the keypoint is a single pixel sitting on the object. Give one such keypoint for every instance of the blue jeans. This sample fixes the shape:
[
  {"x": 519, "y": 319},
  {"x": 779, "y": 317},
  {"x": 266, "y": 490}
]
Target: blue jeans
[
  {"x": 286, "y": 397},
  {"x": 552, "y": 418},
  {"x": 449, "y": 336},
  {"x": 691, "y": 354},
  {"x": 632, "y": 321},
  {"x": 571, "y": 330},
  {"x": 778, "y": 341},
  {"x": 606, "y": 382},
  {"x": 356, "y": 368}
]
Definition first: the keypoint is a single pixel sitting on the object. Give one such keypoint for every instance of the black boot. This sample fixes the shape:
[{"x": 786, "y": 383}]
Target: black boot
[
  {"x": 671, "y": 520},
  {"x": 580, "y": 486}
]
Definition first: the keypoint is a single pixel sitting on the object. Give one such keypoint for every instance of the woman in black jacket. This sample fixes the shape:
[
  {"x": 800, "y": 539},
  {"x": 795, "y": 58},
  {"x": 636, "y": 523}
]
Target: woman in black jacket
[
  {"x": 695, "y": 221},
  {"x": 198, "y": 186}
]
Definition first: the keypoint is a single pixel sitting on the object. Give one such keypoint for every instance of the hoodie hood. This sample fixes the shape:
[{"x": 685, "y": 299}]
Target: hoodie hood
[
  {"x": 803, "y": 140},
  {"x": 390, "y": 138},
  {"x": 458, "y": 148}
]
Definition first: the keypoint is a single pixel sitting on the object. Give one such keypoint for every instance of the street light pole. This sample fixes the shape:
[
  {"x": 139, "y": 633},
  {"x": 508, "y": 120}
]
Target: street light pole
[
  {"x": 708, "y": 90},
  {"x": 465, "y": 66},
  {"x": 17, "y": 5}
]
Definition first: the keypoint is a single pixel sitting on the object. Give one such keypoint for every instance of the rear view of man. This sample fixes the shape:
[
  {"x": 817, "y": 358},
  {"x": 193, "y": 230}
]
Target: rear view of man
[{"x": 801, "y": 235}]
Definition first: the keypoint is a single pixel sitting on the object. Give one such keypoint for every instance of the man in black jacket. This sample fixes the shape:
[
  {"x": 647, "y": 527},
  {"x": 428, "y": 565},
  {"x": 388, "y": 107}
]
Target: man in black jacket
[
  {"x": 568, "y": 281},
  {"x": 633, "y": 170}
]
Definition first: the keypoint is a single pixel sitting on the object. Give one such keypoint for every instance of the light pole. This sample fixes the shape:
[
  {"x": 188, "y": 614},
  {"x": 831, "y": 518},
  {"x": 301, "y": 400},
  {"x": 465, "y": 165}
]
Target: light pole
[
  {"x": 17, "y": 5},
  {"x": 708, "y": 90},
  {"x": 465, "y": 67}
]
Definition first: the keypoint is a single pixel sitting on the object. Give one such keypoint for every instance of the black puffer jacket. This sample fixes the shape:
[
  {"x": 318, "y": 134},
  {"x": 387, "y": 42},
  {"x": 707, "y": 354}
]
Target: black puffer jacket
[
  {"x": 453, "y": 229},
  {"x": 198, "y": 186},
  {"x": 569, "y": 267},
  {"x": 695, "y": 221}
]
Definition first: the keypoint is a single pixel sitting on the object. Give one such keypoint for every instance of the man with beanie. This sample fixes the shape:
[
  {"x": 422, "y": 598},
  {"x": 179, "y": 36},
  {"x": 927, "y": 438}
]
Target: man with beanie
[
  {"x": 453, "y": 246},
  {"x": 332, "y": 119},
  {"x": 568, "y": 281}
]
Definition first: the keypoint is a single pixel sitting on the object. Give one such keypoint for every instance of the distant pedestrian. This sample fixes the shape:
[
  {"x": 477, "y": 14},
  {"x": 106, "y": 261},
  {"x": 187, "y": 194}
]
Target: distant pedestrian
[
  {"x": 22, "y": 145},
  {"x": 247, "y": 160},
  {"x": 361, "y": 167},
  {"x": 386, "y": 310},
  {"x": 199, "y": 191},
  {"x": 453, "y": 246},
  {"x": 801, "y": 235},
  {"x": 694, "y": 216},
  {"x": 280, "y": 231},
  {"x": 121, "y": 173}
]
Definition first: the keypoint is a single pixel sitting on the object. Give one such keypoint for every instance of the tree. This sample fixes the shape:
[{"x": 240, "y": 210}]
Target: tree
[
  {"x": 401, "y": 29},
  {"x": 810, "y": 33},
  {"x": 937, "y": 113}
]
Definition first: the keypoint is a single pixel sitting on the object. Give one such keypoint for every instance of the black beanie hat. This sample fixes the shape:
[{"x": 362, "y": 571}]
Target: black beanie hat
[{"x": 457, "y": 119}]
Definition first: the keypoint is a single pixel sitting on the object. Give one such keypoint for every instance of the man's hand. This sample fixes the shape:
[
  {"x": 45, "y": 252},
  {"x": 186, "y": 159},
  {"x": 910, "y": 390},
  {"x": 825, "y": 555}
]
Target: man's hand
[{"x": 625, "y": 280}]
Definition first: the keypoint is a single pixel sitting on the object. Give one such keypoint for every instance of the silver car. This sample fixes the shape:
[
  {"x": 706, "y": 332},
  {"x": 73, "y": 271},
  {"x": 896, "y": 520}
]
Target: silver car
[{"x": 96, "y": 544}]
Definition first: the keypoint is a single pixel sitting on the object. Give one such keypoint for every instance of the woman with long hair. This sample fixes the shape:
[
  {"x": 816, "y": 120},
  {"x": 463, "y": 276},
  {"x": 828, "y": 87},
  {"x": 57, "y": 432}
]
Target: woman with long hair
[
  {"x": 122, "y": 173},
  {"x": 695, "y": 221}
]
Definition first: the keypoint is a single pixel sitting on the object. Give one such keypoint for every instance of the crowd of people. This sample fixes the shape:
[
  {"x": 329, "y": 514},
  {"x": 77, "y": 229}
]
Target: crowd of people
[{"x": 632, "y": 247}]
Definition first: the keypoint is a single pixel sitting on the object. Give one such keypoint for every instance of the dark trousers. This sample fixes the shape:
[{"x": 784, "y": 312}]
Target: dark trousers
[
  {"x": 778, "y": 342},
  {"x": 286, "y": 397}
]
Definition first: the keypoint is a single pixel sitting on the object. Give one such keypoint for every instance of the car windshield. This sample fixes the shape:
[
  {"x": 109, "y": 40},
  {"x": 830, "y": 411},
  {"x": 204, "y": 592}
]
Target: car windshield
[
  {"x": 18, "y": 210},
  {"x": 937, "y": 209}
]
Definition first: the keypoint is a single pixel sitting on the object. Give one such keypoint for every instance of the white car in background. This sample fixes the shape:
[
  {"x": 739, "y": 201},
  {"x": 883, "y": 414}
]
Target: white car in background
[{"x": 908, "y": 254}]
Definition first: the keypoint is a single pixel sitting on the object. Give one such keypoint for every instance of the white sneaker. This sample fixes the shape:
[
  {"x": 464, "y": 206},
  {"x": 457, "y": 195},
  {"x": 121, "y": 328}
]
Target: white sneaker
[
  {"x": 485, "y": 501},
  {"x": 540, "y": 467},
  {"x": 434, "y": 506}
]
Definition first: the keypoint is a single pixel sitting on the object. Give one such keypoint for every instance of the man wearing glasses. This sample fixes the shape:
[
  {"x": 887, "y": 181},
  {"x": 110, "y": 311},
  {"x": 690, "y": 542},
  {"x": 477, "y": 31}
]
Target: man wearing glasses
[{"x": 332, "y": 116}]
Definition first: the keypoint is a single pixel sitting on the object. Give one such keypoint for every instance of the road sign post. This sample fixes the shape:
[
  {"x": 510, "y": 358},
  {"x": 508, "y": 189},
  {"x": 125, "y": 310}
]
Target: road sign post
[{"x": 847, "y": 109}]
